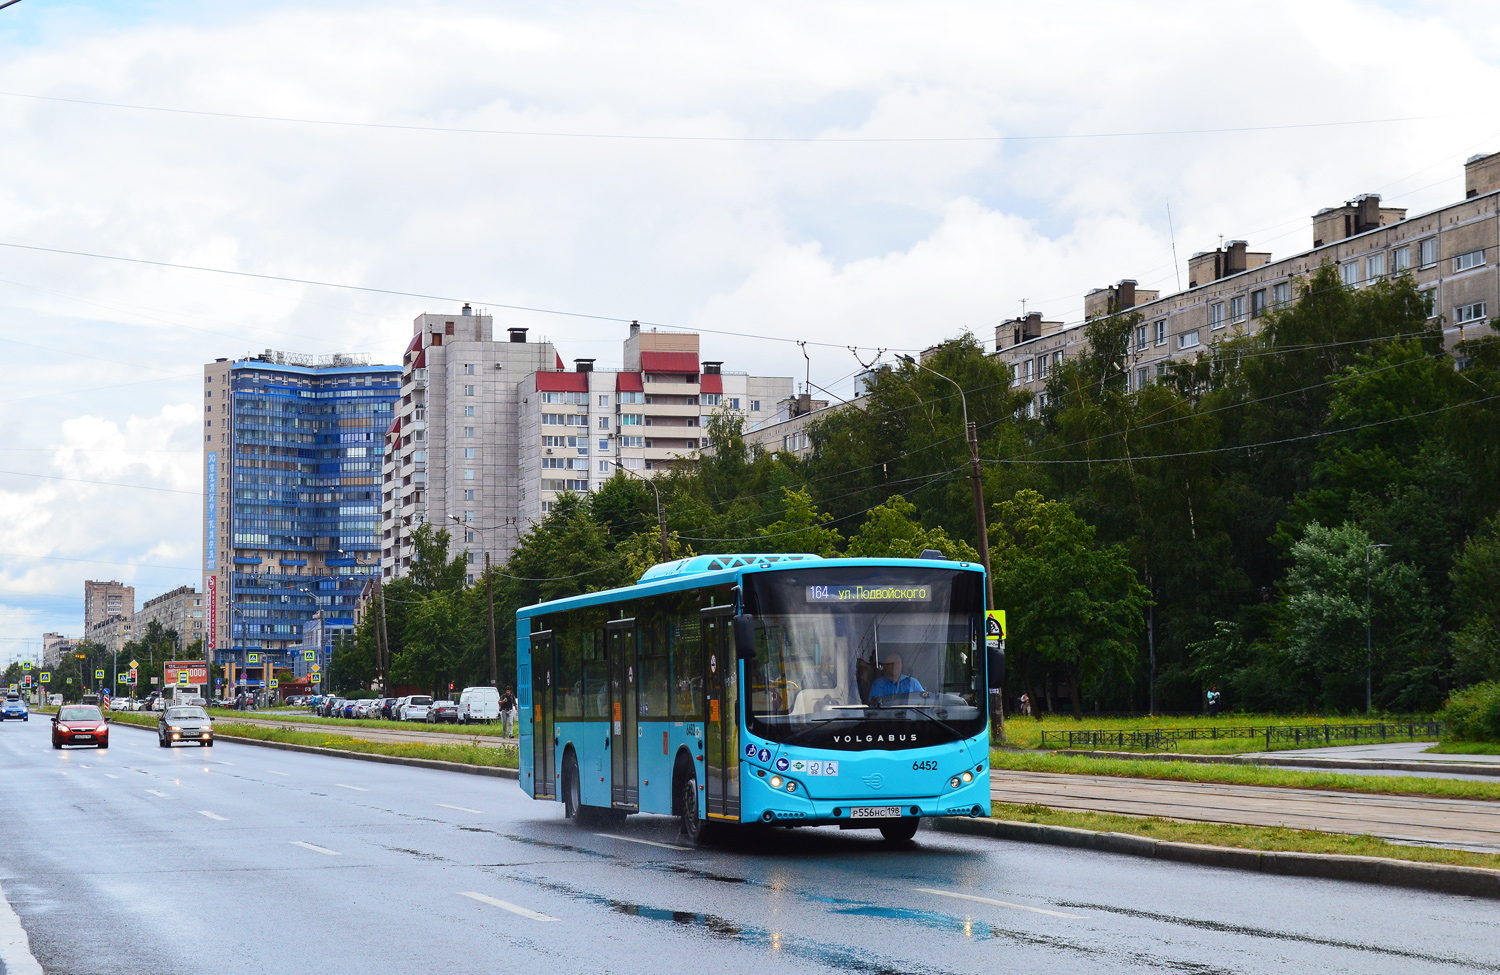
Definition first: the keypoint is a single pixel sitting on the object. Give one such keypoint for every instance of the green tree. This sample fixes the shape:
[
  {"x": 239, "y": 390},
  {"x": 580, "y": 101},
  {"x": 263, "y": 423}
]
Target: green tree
[
  {"x": 1476, "y": 595},
  {"x": 1070, "y": 603},
  {"x": 891, "y": 530},
  {"x": 801, "y": 527}
]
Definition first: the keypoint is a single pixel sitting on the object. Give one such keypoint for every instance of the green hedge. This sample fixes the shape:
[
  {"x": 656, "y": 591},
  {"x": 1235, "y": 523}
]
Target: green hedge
[{"x": 1472, "y": 714}]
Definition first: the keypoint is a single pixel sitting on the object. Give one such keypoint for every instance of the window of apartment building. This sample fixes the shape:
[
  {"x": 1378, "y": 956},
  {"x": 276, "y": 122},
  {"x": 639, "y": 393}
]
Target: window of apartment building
[
  {"x": 468, "y": 474},
  {"x": 1015, "y": 374},
  {"x": 733, "y": 402},
  {"x": 604, "y": 466},
  {"x": 604, "y": 423},
  {"x": 546, "y": 507},
  {"x": 468, "y": 494},
  {"x": 468, "y": 431},
  {"x": 711, "y": 399},
  {"x": 1027, "y": 367},
  {"x": 1041, "y": 366},
  {"x": 1427, "y": 252},
  {"x": 468, "y": 516},
  {"x": 634, "y": 463},
  {"x": 632, "y": 442},
  {"x": 1349, "y": 274},
  {"x": 1374, "y": 267},
  {"x": 552, "y": 419},
  {"x": 755, "y": 406},
  {"x": 469, "y": 453},
  {"x": 631, "y": 419},
  {"x": 1041, "y": 403},
  {"x": 1187, "y": 340},
  {"x": 1257, "y": 303},
  {"x": 468, "y": 411},
  {"x": 468, "y": 390},
  {"x": 1216, "y": 315},
  {"x": 1468, "y": 313},
  {"x": 1400, "y": 260},
  {"x": 1281, "y": 294},
  {"x": 603, "y": 399},
  {"x": 557, "y": 463},
  {"x": 575, "y": 420},
  {"x": 632, "y": 398},
  {"x": 1141, "y": 375},
  {"x": 1160, "y": 332},
  {"x": 604, "y": 445},
  {"x": 1140, "y": 336},
  {"x": 1057, "y": 358},
  {"x": 1464, "y": 262},
  {"x": 468, "y": 368},
  {"x": 1237, "y": 309}
]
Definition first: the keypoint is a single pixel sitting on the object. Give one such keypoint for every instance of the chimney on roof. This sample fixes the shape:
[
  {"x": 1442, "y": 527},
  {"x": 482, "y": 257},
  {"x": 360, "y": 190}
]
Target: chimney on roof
[
  {"x": 1234, "y": 256},
  {"x": 467, "y": 310},
  {"x": 517, "y": 334},
  {"x": 712, "y": 368},
  {"x": 635, "y": 328},
  {"x": 1125, "y": 294},
  {"x": 583, "y": 365}
]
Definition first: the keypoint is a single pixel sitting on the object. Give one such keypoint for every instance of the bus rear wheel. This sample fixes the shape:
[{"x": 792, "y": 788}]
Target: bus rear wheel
[{"x": 900, "y": 831}]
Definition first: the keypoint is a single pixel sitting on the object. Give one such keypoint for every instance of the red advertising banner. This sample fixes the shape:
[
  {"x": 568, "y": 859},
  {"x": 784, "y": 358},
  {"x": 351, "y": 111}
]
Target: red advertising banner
[
  {"x": 213, "y": 613},
  {"x": 196, "y": 670}
]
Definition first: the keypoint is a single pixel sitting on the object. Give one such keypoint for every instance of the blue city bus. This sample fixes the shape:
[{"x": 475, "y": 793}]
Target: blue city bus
[{"x": 785, "y": 690}]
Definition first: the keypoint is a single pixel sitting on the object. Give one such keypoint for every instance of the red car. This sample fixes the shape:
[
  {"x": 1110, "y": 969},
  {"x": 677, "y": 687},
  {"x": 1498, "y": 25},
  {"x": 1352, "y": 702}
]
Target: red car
[{"x": 80, "y": 724}]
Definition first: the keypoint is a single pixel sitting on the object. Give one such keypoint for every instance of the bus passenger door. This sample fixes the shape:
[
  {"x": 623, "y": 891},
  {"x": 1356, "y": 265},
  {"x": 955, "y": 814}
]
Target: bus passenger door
[
  {"x": 624, "y": 745},
  {"x": 543, "y": 733},
  {"x": 720, "y": 725}
]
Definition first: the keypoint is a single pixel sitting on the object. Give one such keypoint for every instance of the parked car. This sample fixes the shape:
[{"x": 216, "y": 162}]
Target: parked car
[
  {"x": 123, "y": 704},
  {"x": 80, "y": 724},
  {"x": 331, "y": 707},
  {"x": 365, "y": 708},
  {"x": 346, "y": 710},
  {"x": 385, "y": 707},
  {"x": 14, "y": 707},
  {"x": 442, "y": 711},
  {"x": 184, "y": 724},
  {"x": 415, "y": 708},
  {"x": 478, "y": 704}
]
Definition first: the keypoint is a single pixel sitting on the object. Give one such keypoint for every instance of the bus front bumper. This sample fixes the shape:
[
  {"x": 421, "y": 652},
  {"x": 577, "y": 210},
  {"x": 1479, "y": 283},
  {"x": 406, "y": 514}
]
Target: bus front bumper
[{"x": 761, "y": 803}]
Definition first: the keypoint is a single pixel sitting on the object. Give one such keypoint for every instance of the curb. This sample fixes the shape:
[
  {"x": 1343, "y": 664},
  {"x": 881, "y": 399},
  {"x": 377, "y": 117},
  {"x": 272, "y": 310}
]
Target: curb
[
  {"x": 430, "y": 763},
  {"x": 1354, "y": 764},
  {"x": 1438, "y": 877}
]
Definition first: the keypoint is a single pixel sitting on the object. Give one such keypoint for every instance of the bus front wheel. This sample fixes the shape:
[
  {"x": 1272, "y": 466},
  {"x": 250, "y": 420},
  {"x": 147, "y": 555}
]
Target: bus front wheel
[
  {"x": 900, "y": 831},
  {"x": 694, "y": 827},
  {"x": 572, "y": 801}
]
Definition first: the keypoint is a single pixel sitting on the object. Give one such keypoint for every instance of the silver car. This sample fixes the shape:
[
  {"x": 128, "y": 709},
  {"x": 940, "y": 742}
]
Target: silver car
[{"x": 178, "y": 723}]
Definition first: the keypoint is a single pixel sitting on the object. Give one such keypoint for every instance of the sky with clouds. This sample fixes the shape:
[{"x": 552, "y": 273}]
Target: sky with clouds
[{"x": 880, "y": 175}]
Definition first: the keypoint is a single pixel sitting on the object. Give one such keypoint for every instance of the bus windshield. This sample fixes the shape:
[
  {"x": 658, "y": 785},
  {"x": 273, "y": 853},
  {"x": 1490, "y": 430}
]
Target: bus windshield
[{"x": 866, "y": 656}]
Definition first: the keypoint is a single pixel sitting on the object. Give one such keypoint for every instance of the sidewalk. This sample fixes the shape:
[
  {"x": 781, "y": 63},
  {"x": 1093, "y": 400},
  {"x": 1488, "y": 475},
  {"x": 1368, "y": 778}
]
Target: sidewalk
[{"x": 1458, "y": 823}]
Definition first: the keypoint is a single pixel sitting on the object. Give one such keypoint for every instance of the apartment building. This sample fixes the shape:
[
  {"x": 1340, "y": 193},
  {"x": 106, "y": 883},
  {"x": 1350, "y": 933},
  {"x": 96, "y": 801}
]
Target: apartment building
[
  {"x": 489, "y": 433},
  {"x": 180, "y": 610},
  {"x": 450, "y": 452},
  {"x": 291, "y": 506},
  {"x": 54, "y": 646},
  {"x": 1453, "y": 253},
  {"x": 578, "y": 428},
  {"x": 113, "y": 632},
  {"x": 101, "y": 600},
  {"x": 786, "y": 432}
]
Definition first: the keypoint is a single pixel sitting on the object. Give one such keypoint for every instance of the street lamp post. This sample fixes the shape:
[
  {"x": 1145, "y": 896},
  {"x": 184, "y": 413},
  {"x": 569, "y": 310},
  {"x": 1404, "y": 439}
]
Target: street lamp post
[
  {"x": 1369, "y": 652},
  {"x": 661, "y": 513}
]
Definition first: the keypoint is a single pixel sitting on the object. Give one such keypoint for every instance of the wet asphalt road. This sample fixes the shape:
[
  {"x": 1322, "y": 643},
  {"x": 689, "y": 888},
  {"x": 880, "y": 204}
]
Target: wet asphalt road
[{"x": 247, "y": 859}]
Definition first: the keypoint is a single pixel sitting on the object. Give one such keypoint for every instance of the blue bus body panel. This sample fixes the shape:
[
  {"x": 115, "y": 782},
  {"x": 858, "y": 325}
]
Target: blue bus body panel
[{"x": 872, "y": 777}]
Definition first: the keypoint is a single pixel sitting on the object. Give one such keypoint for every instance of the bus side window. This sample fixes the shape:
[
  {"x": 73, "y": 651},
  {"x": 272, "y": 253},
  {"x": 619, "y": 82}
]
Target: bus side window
[{"x": 687, "y": 666}]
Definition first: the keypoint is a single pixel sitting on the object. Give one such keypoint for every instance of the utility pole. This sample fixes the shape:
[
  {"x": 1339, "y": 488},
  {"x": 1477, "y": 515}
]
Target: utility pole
[
  {"x": 1369, "y": 652},
  {"x": 489, "y": 586},
  {"x": 383, "y": 663}
]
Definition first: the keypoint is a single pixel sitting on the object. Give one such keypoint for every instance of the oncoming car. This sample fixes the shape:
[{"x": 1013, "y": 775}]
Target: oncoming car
[
  {"x": 80, "y": 724},
  {"x": 14, "y": 707},
  {"x": 184, "y": 724}
]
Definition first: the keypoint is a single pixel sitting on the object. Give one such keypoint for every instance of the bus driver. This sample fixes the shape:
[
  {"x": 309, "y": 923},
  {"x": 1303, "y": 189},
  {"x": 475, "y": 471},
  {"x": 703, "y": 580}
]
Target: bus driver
[{"x": 892, "y": 681}]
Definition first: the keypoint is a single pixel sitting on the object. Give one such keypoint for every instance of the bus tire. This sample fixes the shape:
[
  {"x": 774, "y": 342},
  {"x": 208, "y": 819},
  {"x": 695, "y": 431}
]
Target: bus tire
[
  {"x": 572, "y": 802},
  {"x": 698, "y": 831},
  {"x": 901, "y": 831}
]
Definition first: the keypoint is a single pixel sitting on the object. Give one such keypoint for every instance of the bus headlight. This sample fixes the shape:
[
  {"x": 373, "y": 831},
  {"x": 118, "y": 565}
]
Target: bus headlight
[
  {"x": 954, "y": 782},
  {"x": 791, "y": 786},
  {"x": 775, "y": 781},
  {"x": 968, "y": 776}
]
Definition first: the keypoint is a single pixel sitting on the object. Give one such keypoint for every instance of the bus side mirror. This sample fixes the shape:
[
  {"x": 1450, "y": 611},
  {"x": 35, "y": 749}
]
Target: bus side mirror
[
  {"x": 744, "y": 637},
  {"x": 997, "y": 667}
]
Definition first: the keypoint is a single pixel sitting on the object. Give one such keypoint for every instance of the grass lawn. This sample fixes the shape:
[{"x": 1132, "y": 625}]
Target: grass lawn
[
  {"x": 1466, "y": 748},
  {"x": 485, "y": 755},
  {"x": 1243, "y": 837},
  {"x": 1022, "y": 732},
  {"x": 1409, "y": 785},
  {"x": 302, "y": 717}
]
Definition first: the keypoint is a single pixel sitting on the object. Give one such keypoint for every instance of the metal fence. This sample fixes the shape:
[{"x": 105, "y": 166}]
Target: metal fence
[{"x": 1293, "y": 736}]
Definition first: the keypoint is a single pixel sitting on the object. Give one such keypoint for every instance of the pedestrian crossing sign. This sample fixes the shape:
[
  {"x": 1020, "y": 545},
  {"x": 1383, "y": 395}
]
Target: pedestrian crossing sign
[
  {"x": 309, "y": 654},
  {"x": 99, "y": 674},
  {"x": 317, "y": 678},
  {"x": 273, "y": 683},
  {"x": 26, "y": 665},
  {"x": 46, "y": 677},
  {"x": 122, "y": 678},
  {"x": 252, "y": 658}
]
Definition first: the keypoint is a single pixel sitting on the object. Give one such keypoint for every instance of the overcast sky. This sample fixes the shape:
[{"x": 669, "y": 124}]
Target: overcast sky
[{"x": 883, "y": 175}]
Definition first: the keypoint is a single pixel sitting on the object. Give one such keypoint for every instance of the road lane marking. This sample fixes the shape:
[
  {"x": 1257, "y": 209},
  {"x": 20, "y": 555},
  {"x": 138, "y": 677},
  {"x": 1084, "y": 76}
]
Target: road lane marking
[
  {"x": 505, "y": 905},
  {"x": 354, "y": 787},
  {"x": 631, "y": 839},
  {"x": 274, "y": 772},
  {"x": 444, "y": 805},
  {"x": 15, "y": 950},
  {"x": 987, "y": 900},
  {"x": 205, "y": 812},
  {"x": 159, "y": 795},
  {"x": 108, "y": 776},
  {"x": 315, "y": 849}
]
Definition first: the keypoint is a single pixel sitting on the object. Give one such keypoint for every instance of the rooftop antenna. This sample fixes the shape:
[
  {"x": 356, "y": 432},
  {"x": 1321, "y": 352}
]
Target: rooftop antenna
[
  {"x": 1023, "y": 307},
  {"x": 1173, "y": 234}
]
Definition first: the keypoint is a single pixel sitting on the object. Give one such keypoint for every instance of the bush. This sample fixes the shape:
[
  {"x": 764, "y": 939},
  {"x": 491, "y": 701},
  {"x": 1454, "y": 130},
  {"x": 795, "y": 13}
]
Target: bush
[{"x": 1472, "y": 714}]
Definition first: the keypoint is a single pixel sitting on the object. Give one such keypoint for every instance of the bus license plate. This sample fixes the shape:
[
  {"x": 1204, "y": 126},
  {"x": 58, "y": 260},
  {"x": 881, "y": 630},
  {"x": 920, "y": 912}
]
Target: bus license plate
[{"x": 875, "y": 812}]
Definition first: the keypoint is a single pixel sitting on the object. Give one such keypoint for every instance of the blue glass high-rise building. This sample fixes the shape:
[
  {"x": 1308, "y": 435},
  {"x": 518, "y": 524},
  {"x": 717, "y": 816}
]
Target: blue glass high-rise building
[{"x": 291, "y": 510}]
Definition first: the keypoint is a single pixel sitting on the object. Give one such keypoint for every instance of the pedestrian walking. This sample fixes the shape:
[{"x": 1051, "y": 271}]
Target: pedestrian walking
[{"x": 508, "y": 714}]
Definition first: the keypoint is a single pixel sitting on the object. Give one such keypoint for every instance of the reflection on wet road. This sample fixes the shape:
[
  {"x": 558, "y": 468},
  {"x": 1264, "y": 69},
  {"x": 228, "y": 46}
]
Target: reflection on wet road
[{"x": 245, "y": 859}]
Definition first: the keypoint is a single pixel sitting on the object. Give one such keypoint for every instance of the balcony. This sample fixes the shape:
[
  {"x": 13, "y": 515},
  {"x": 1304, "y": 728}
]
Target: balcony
[
  {"x": 672, "y": 409},
  {"x": 670, "y": 389}
]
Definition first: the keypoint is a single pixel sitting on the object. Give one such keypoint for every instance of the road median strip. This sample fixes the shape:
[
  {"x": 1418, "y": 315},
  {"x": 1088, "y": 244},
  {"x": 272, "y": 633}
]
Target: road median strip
[
  {"x": 1305, "y": 762},
  {"x": 1257, "y": 849}
]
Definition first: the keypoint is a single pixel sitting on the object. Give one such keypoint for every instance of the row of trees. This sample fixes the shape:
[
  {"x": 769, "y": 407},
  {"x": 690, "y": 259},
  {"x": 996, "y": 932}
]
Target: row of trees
[
  {"x": 1214, "y": 527},
  {"x": 74, "y": 673}
]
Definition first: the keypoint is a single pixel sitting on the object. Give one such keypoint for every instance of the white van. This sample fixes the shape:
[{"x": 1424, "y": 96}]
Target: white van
[{"x": 479, "y": 704}]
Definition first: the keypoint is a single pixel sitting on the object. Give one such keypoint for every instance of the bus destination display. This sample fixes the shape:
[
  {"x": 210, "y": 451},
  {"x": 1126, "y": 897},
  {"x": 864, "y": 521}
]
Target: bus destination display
[{"x": 869, "y": 594}]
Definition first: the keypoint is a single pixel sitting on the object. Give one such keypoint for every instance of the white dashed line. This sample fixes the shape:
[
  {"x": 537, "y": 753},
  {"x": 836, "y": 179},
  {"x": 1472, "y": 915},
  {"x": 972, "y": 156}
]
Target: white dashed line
[
  {"x": 354, "y": 787},
  {"x": 159, "y": 795},
  {"x": 444, "y": 805},
  {"x": 631, "y": 839},
  {"x": 15, "y": 950},
  {"x": 986, "y": 900},
  {"x": 274, "y": 772},
  {"x": 108, "y": 776},
  {"x": 315, "y": 849},
  {"x": 205, "y": 812},
  {"x": 505, "y": 905}
]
